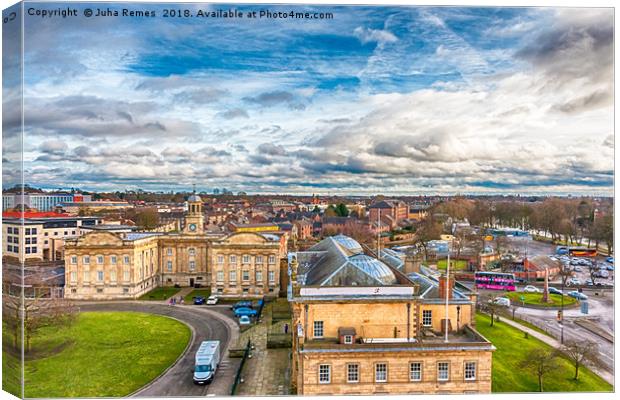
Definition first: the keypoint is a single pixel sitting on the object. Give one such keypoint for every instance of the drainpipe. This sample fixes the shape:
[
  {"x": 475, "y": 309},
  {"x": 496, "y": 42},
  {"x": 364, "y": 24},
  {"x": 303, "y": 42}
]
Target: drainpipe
[
  {"x": 306, "y": 323},
  {"x": 408, "y": 320}
]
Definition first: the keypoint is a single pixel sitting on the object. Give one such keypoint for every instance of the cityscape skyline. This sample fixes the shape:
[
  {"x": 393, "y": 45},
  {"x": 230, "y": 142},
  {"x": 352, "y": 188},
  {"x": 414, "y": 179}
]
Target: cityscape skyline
[{"x": 392, "y": 100}]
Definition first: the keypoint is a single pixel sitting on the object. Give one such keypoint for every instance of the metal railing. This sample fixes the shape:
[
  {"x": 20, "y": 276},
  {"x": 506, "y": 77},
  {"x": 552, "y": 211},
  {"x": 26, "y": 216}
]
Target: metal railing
[{"x": 246, "y": 353}]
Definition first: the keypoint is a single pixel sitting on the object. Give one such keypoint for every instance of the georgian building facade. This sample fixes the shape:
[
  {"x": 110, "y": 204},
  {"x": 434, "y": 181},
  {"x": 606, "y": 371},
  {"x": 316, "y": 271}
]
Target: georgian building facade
[{"x": 106, "y": 265}]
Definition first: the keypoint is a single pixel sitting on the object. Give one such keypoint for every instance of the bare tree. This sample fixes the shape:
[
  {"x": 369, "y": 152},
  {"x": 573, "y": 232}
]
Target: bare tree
[
  {"x": 492, "y": 308},
  {"x": 540, "y": 362},
  {"x": 580, "y": 352},
  {"x": 429, "y": 229}
]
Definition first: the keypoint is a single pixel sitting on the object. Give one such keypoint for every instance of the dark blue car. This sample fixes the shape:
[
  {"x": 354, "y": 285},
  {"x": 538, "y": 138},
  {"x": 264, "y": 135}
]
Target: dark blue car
[
  {"x": 198, "y": 300},
  {"x": 245, "y": 311}
]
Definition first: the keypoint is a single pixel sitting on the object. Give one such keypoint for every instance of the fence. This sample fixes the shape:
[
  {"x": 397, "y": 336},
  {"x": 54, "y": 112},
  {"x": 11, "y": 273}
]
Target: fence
[{"x": 246, "y": 353}]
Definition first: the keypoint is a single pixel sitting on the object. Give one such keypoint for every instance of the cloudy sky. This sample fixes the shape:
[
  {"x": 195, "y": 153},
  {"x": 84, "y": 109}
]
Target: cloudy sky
[{"x": 398, "y": 100}]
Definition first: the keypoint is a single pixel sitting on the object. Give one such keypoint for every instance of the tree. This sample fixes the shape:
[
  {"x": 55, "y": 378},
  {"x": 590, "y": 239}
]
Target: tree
[
  {"x": 147, "y": 219},
  {"x": 330, "y": 211},
  {"x": 580, "y": 352},
  {"x": 492, "y": 308},
  {"x": 540, "y": 362},
  {"x": 342, "y": 210},
  {"x": 429, "y": 229}
]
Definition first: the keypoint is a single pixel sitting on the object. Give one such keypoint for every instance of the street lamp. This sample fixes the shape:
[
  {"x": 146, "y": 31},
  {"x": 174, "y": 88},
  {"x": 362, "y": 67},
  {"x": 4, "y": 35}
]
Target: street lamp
[{"x": 561, "y": 319}]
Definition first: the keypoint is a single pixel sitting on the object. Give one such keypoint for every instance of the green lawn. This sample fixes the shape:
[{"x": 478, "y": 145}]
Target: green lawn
[
  {"x": 455, "y": 265},
  {"x": 160, "y": 293},
  {"x": 512, "y": 349},
  {"x": 197, "y": 292},
  {"x": 107, "y": 354},
  {"x": 536, "y": 299}
]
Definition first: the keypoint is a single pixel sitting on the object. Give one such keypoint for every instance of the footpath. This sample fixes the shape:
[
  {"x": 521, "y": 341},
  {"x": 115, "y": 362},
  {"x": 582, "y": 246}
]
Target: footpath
[{"x": 606, "y": 375}]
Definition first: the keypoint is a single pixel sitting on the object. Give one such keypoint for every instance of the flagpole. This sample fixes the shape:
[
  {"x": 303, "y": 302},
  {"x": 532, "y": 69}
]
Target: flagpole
[{"x": 447, "y": 289}]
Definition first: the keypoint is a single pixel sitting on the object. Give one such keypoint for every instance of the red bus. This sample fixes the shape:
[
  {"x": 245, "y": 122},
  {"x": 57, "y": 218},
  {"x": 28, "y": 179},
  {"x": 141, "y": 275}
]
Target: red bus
[{"x": 495, "y": 281}]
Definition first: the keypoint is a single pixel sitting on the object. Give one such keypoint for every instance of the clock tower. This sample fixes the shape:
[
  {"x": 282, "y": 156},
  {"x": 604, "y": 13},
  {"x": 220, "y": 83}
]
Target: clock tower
[{"x": 194, "y": 220}]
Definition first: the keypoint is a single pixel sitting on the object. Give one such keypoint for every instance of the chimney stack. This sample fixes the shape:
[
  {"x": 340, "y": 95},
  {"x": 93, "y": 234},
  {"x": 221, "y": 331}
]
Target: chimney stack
[
  {"x": 412, "y": 264},
  {"x": 442, "y": 287}
]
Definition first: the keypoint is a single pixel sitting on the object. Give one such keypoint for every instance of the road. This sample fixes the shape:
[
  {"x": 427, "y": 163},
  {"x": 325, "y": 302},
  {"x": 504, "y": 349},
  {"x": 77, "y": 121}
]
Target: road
[{"x": 206, "y": 324}]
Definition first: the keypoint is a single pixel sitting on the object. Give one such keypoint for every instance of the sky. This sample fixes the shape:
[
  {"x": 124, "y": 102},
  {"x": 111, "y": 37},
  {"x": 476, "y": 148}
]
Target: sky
[{"x": 392, "y": 100}]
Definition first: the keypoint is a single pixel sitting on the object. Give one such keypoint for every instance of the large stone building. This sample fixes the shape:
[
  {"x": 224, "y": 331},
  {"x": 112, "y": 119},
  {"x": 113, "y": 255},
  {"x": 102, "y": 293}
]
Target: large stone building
[
  {"x": 369, "y": 326},
  {"x": 105, "y": 265}
]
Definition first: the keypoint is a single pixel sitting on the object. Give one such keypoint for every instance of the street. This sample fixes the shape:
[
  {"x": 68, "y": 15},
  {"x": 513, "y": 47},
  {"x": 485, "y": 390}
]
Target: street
[{"x": 206, "y": 324}]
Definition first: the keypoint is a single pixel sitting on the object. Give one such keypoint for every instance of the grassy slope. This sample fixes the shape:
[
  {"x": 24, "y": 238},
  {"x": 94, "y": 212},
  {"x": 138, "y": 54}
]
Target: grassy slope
[
  {"x": 455, "y": 265},
  {"x": 160, "y": 293},
  {"x": 536, "y": 299},
  {"x": 110, "y": 354},
  {"x": 512, "y": 349}
]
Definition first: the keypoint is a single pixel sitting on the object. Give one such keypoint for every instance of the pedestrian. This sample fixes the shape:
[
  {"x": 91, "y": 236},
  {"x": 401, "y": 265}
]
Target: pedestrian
[
  {"x": 285, "y": 328},
  {"x": 169, "y": 302},
  {"x": 173, "y": 300},
  {"x": 182, "y": 301}
]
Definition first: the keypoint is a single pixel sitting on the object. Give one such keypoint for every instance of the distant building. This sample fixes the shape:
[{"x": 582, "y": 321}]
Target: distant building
[
  {"x": 304, "y": 229},
  {"x": 40, "y": 235},
  {"x": 418, "y": 212},
  {"x": 361, "y": 326},
  {"x": 397, "y": 210},
  {"x": 41, "y": 201},
  {"x": 75, "y": 207}
]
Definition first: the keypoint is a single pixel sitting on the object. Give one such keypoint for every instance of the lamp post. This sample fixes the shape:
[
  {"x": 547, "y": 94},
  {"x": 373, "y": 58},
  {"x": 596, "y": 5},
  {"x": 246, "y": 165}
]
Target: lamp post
[
  {"x": 447, "y": 289},
  {"x": 561, "y": 319}
]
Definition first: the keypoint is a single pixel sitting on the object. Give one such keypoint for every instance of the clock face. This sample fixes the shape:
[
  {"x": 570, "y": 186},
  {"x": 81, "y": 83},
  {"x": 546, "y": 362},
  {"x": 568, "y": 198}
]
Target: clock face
[{"x": 192, "y": 227}]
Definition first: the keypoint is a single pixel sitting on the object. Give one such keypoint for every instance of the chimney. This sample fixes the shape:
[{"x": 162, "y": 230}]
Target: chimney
[
  {"x": 294, "y": 283},
  {"x": 442, "y": 287},
  {"x": 412, "y": 264}
]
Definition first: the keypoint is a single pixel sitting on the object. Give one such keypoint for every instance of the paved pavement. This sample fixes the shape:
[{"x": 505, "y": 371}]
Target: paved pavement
[
  {"x": 206, "y": 324},
  {"x": 603, "y": 373}
]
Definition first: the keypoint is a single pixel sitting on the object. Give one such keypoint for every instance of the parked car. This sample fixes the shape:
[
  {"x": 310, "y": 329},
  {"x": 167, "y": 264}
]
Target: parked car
[
  {"x": 589, "y": 282},
  {"x": 577, "y": 269},
  {"x": 199, "y": 300},
  {"x": 242, "y": 304},
  {"x": 579, "y": 296},
  {"x": 555, "y": 291},
  {"x": 501, "y": 301},
  {"x": 610, "y": 267},
  {"x": 212, "y": 300},
  {"x": 245, "y": 311},
  {"x": 244, "y": 320},
  {"x": 574, "y": 261},
  {"x": 574, "y": 281},
  {"x": 531, "y": 289},
  {"x": 610, "y": 260}
]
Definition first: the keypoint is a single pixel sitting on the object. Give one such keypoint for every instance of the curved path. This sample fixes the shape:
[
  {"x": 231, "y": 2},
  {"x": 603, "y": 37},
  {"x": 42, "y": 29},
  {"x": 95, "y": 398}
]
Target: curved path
[{"x": 205, "y": 324}]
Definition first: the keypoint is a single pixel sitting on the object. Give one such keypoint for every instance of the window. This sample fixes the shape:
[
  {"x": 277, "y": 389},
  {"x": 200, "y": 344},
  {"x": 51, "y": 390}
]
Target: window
[
  {"x": 27, "y": 240},
  {"x": 272, "y": 276},
  {"x": 232, "y": 276},
  {"x": 45, "y": 234},
  {"x": 381, "y": 372},
  {"x": 220, "y": 259},
  {"x": 86, "y": 276},
  {"x": 245, "y": 275},
  {"x": 192, "y": 265},
  {"x": 73, "y": 232},
  {"x": 318, "y": 329},
  {"x": 73, "y": 259},
  {"x": 348, "y": 339},
  {"x": 125, "y": 290},
  {"x": 126, "y": 259},
  {"x": 245, "y": 290},
  {"x": 126, "y": 275},
  {"x": 427, "y": 318},
  {"x": 259, "y": 276},
  {"x": 27, "y": 250},
  {"x": 272, "y": 259},
  {"x": 73, "y": 276},
  {"x": 86, "y": 260},
  {"x": 33, "y": 231},
  {"x": 10, "y": 239},
  {"x": 324, "y": 373},
  {"x": 16, "y": 230},
  {"x": 27, "y": 231},
  {"x": 470, "y": 371},
  {"x": 66, "y": 233},
  {"x": 192, "y": 251},
  {"x": 99, "y": 259},
  {"x": 353, "y": 373},
  {"x": 220, "y": 276},
  {"x": 415, "y": 371},
  {"x": 169, "y": 251},
  {"x": 169, "y": 266},
  {"x": 233, "y": 260},
  {"x": 443, "y": 371},
  {"x": 9, "y": 230},
  {"x": 113, "y": 260},
  {"x": 246, "y": 259},
  {"x": 34, "y": 250},
  {"x": 33, "y": 240},
  {"x": 100, "y": 276},
  {"x": 113, "y": 276},
  {"x": 55, "y": 233},
  {"x": 16, "y": 239},
  {"x": 259, "y": 259}
]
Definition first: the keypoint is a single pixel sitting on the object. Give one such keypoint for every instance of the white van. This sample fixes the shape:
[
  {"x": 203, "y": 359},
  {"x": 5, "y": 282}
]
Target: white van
[{"x": 207, "y": 361}]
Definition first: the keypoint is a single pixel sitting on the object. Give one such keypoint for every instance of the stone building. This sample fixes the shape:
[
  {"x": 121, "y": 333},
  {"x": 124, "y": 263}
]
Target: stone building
[
  {"x": 107, "y": 265},
  {"x": 363, "y": 326}
]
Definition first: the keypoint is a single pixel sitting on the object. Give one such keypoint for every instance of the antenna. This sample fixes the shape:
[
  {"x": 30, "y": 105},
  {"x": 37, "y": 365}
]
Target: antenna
[
  {"x": 194, "y": 186},
  {"x": 379, "y": 233}
]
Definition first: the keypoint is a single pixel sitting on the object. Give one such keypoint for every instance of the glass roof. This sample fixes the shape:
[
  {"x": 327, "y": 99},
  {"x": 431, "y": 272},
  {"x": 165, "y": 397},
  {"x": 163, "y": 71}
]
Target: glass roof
[
  {"x": 374, "y": 268},
  {"x": 348, "y": 243}
]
